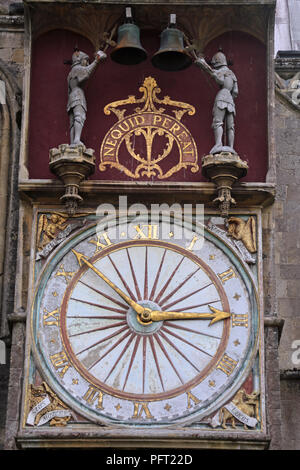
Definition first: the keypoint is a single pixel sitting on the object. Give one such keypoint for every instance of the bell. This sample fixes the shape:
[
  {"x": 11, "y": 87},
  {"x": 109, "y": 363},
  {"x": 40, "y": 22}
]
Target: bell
[
  {"x": 171, "y": 55},
  {"x": 129, "y": 50}
]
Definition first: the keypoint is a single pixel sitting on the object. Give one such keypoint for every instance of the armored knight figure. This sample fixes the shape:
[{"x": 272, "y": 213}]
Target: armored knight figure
[
  {"x": 77, "y": 78},
  {"x": 224, "y": 107}
]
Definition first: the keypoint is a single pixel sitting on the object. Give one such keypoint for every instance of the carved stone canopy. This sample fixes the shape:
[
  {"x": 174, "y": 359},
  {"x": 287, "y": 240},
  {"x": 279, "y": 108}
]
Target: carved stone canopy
[{"x": 202, "y": 23}]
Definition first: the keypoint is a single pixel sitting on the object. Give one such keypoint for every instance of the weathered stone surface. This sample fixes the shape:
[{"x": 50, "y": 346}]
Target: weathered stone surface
[
  {"x": 290, "y": 404},
  {"x": 287, "y": 245}
]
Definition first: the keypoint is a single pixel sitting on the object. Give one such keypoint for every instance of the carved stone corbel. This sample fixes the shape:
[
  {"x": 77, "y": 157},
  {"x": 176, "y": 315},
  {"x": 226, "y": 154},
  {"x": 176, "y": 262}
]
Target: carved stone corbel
[
  {"x": 72, "y": 164},
  {"x": 224, "y": 169}
]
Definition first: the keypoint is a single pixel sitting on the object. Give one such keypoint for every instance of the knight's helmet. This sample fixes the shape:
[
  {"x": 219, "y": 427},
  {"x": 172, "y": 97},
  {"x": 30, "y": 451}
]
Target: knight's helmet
[
  {"x": 218, "y": 60},
  {"x": 78, "y": 56}
]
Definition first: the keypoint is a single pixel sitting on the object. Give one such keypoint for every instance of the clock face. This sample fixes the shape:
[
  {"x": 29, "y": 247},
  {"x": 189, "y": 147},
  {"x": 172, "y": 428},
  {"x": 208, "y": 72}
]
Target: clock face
[{"x": 140, "y": 329}]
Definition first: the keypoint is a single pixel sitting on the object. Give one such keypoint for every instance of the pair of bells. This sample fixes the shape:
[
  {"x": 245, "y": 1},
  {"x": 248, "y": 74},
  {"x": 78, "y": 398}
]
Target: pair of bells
[{"x": 171, "y": 55}]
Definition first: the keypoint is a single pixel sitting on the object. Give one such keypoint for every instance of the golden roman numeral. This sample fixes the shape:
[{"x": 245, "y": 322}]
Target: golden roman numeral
[
  {"x": 191, "y": 245},
  {"x": 60, "y": 362},
  {"x": 151, "y": 231},
  {"x": 190, "y": 397},
  {"x": 227, "y": 364},
  {"x": 99, "y": 244},
  {"x": 66, "y": 274},
  {"x": 226, "y": 275},
  {"x": 93, "y": 394},
  {"x": 53, "y": 316},
  {"x": 240, "y": 319},
  {"x": 139, "y": 409}
]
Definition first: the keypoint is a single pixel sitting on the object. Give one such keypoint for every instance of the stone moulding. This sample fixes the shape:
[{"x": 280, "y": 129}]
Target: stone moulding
[
  {"x": 248, "y": 194},
  {"x": 191, "y": 439}
]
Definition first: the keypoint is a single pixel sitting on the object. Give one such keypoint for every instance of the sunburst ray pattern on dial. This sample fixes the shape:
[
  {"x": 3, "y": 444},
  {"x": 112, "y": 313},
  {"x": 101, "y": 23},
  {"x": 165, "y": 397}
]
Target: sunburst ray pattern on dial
[
  {"x": 147, "y": 329},
  {"x": 120, "y": 353}
]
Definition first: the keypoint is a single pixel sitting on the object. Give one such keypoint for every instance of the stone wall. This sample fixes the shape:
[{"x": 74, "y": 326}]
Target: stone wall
[
  {"x": 4, "y": 375},
  {"x": 287, "y": 227},
  {"x": 11, "y": 81},
  {"x": 287, "y": 265},
  {"x": 290, "y": 406}
]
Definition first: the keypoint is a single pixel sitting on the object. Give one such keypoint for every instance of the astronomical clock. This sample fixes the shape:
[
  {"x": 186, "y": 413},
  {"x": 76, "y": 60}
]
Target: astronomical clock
[
  {"x": 145, "y": 331},
  {"x": 144, "y": 282}
]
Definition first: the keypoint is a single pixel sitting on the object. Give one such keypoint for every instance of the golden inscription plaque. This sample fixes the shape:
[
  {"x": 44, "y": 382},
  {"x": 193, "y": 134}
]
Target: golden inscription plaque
[{"x": 163, "y": 136}]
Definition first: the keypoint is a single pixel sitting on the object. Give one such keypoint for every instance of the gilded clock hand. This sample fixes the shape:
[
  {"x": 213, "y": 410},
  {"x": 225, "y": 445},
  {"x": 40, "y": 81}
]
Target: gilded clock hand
[
  {"x": 82, "y": 259},
  {"x": 156, "y": 315}
]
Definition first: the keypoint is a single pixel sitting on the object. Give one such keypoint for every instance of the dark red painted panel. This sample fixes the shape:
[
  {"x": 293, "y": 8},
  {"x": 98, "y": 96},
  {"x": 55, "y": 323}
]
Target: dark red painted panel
[
  {"x": 49, "y": 125},
  {"x": 249, "y": 64}
]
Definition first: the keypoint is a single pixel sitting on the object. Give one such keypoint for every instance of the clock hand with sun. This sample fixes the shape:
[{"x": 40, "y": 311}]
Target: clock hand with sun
[
  {"x": 156, "y": 315},
  {"x": 145, "y": 314},
  {"x": 82, "y": 259}
]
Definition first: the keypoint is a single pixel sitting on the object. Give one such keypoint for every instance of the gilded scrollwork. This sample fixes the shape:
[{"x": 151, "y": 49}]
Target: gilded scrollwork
[
  {"x": 248, "y": 404},
  {"x": 245, "y": 231},
  {"x": 52, "y": 229},
  {"x": 48, "y": 228},
  {"x": 45, "y": 407},
  {"x": 244, "y": 408},
  {"x": 154, "y": 129},
  {"x": 240, "y": 234},
  {"x": 150, "y": 91}
]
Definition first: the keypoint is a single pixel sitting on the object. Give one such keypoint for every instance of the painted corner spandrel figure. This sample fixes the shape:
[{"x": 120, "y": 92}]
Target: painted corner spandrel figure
[
  {"x": 224, "y": 107},
  {"x": 80, "y": 72}
]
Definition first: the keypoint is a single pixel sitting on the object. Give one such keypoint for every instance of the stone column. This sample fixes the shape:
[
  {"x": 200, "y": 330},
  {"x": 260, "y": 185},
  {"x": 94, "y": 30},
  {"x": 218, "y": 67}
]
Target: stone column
[{"x": 17, "y": 321}]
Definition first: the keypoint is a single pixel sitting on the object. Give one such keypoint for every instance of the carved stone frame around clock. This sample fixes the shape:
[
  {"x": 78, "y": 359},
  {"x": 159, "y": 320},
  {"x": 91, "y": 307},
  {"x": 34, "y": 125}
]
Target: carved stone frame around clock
[{"x": 95, "y": 436}]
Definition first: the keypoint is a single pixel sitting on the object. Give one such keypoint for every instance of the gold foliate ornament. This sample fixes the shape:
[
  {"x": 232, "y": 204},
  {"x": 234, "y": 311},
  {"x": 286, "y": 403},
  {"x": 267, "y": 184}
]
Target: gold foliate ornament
[
  {"x": 151, "y": 123},
  {"x": 247, "y": 404},
  {"x": 244, "y": 231},
  {"x": 49, "y": 227},
  {"x": 45, "y": 407}
]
